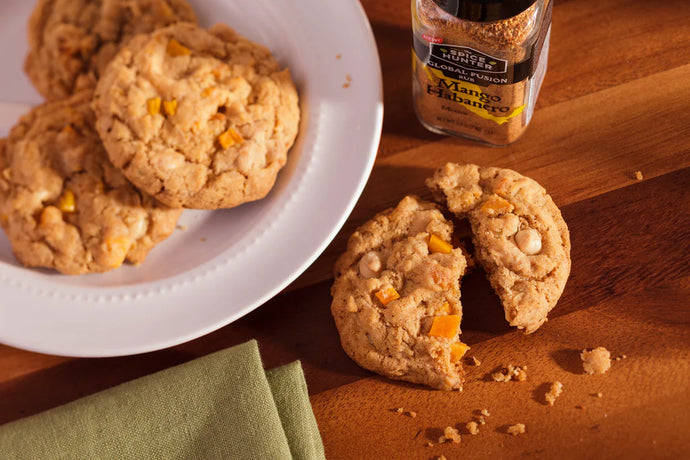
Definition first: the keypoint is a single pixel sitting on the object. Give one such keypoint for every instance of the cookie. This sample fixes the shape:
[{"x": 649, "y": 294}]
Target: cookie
[
  {"x": 63, "y": 205},
  {"x": 396, "y": 296},
  {"x": 196, "y": 118},
  {"x": 519, "y": 235},
  {"x": 72, "y": 41}
]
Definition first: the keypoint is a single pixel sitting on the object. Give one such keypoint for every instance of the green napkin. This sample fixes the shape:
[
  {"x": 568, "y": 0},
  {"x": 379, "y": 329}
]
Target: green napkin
[{"x": 223, "y": 405}]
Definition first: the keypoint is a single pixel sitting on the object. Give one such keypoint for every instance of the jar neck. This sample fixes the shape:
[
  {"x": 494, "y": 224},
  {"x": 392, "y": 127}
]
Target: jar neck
[{"x": 484, "y": 10}]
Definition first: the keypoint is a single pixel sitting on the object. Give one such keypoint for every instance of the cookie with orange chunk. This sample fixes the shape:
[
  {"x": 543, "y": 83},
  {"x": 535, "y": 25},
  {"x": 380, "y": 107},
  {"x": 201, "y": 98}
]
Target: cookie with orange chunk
[
  {"x": 396, "y": 296},
  {"x": 72, "y": 41},
  {"x": 519, "y": 235},
  {"x": 198, "y": 118},
  {"x": 63, "y": 205}
]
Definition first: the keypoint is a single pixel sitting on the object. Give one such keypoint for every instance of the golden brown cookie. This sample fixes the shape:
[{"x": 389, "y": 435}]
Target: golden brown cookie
[
  {"x": 200, "y": 119},
  {"x": 519, "y": 235},
  {"x": 63, "y": 205},
  {"x": 396, "y": 296},
  {"x": 72, "y": 41}
]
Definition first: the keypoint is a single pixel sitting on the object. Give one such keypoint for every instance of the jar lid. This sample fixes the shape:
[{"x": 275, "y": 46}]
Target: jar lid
[{"x": 484, "y": 10}]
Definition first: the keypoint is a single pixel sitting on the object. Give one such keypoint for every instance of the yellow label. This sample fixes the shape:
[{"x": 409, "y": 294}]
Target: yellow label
[{"x": 470, "y": 96}]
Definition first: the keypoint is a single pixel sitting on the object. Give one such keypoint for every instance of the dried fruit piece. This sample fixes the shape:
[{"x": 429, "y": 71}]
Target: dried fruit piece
[
  {"x": 495, "y": 206},
  {"x": 229, "y": 137},
  {"x": 445, "y": 326},
  {"x": 153, "y": 106},
  {"x": 176, "y": 48},
  {"x": 387, "y": 294},
  {"x": 68, "y": 129},
  {"x": 170, "y": 107},
  {"x": 436, "y": 244},
  {"x": 457, "y": 351},
  {"x": 67, "y": 203},
  {"x": 118, "y": 247}
]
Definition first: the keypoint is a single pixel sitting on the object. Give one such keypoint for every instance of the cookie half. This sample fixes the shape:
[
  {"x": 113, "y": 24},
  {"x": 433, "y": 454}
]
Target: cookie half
[
  {"x": 72, "y": 41},
  {"x": 519, "y": 235},
  {"x": 200, "y": 119},
  {"x": 396, "y": 296},
  {"x": 63, "y": 205}
]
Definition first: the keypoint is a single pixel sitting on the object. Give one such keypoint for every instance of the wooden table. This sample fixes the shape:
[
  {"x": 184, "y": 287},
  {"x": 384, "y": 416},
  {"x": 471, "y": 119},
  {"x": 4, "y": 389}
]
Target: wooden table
[{"x": 616, "y": 100}]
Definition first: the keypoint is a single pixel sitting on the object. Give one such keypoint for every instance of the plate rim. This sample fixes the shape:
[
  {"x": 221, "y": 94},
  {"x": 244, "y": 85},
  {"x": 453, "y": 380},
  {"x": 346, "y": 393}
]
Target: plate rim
[{"x": 373, "y": 143}]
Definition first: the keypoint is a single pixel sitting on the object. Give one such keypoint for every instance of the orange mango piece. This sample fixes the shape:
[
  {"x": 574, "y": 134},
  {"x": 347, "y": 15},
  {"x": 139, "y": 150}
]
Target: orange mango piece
[
  {"x": 176, "y": 48},
  {"x": 229, "y": 137},
  {"x": 457, "y": 351},
  {"x": 436, "y": 244},
  {"x": 495, "y": 205},
  {"x": 387, "y": 295},
  {"x": 153, "y": 106},
  {"x": 445, "y": 326}
]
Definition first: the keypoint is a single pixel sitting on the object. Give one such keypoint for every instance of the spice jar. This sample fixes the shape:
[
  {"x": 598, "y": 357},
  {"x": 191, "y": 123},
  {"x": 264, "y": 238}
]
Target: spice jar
[{"x": 478, "y": 65}]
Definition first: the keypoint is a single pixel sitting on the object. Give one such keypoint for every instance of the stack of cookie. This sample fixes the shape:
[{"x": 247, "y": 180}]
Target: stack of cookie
[
  {"x": 396, "y": 296},
  {"x": 147, "y": 114}
]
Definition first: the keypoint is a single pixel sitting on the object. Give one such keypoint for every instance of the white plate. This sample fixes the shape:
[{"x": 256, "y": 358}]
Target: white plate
[{"x": 188, "y": 287}]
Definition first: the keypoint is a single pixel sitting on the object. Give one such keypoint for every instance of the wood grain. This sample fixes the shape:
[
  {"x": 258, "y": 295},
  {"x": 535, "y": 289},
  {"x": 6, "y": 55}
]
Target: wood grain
[{"x": 615, "y": 100}]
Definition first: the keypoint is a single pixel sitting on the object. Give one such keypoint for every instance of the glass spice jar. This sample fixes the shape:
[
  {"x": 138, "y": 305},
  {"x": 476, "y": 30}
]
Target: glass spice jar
[{"x": 478, "y": 65}]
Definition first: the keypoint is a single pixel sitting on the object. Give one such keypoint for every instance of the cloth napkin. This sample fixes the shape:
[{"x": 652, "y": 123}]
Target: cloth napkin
[{"x": 223, "y": 406}]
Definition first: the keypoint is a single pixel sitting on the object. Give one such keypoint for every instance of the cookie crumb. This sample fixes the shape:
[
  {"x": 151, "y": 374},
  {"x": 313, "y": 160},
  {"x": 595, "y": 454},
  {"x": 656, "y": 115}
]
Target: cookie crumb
[
  {"x": 450, "y": 434},
  {"x": 338, "y": 56},
  {"x": 472, "y": 427},
  {"x": 473, "y": 361},
  {"x": 485, "y": 412},
  {"x": 481, "y": 420},
  {"x": 429, "y": 444},
  {"x": 554, "y": 392},
  {"x": 346, "y": 85},
  {"x": 596, "y": 361},
  {"x": 599, "y": 395},
  {"x": 518, "y": 428},
  {"x": 411, "y": 414},
  {"x": 441, "y": 457},
  {"x": 638, "y": 175},
  {"x": 203, "y": 240},
  {"x": 510, "y": 373},
  {"x": 348, "y": 77},
  {"x": 182, "y": 227},
  {"x": 399, "y": 410}
]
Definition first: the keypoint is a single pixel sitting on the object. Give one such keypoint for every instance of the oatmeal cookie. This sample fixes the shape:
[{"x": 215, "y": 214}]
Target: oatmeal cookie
[
  {"x": 200, "y": 119},
  {"x": 63, "y": 205},
  {"x": 396, "y": 296},
  {"x": 72, "y": 41},
  {"x": 519, "y": 235}
]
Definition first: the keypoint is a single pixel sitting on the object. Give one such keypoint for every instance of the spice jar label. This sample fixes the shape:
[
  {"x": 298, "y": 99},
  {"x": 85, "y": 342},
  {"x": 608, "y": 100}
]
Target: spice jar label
[
  {"x": 471, "y": 96},
  {"x": 478, "y": 75}
]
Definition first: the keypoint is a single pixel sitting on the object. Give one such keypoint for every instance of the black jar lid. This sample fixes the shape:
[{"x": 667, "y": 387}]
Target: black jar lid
[{"x": 484, "y": 10}]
